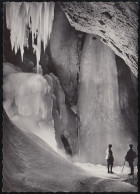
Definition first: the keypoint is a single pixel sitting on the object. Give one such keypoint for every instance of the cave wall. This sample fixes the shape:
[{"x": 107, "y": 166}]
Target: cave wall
[
  {"x": 65, "y": 122},
  {"x": 128, "y": 96},
  {"x": 64, "y": 54},
  {"x": 115, "y": 22},
  {"x": 99, "y": 105}
]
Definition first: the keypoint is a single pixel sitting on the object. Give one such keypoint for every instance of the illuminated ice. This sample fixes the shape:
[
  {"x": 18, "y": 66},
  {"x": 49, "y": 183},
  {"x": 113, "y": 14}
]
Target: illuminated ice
[
  {"x": 28, "y": 102},
  {"x": 35, "y": 15}
]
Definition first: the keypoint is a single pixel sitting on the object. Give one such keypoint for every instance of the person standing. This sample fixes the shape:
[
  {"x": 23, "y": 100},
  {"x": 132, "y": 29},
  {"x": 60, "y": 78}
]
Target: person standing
[
  {"x": 130, "y": 156},
  {"x": 109, "y": 158}
]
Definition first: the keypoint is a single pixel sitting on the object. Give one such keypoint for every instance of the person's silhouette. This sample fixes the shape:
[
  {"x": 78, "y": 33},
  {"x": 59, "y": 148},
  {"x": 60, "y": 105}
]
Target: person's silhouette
[
  {"x": 130, "y": 156},
  {"x": 109, "y": 158}
]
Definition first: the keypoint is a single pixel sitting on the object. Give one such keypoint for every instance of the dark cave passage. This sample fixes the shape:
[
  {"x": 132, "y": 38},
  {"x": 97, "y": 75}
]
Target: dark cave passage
[{"x": 66, "y": 145}]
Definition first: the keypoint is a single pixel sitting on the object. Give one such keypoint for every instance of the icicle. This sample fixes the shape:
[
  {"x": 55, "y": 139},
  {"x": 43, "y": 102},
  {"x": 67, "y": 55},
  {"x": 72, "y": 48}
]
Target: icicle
[{"x": 38, "y": 17}]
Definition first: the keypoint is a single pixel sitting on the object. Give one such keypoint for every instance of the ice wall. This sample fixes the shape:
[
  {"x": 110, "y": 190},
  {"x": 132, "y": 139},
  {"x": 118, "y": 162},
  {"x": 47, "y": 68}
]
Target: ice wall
[
  {"x": 101, "y": 120},
  {"x": 36, "y": 16}
]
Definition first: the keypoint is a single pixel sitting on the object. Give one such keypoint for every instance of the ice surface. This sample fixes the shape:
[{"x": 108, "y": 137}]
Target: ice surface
[
  {"x": 101, "y": 171},
  {"x": 38, "y": 16}
]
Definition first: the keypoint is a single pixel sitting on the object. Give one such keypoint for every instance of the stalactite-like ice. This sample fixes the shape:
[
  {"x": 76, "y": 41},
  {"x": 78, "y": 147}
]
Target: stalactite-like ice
[{"x": 38, "y": 16}]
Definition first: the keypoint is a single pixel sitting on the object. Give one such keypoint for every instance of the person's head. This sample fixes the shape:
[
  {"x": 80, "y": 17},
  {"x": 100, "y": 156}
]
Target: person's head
[
  {"x": 131, "y": 146},
  {"x": 110, "y": 146}
]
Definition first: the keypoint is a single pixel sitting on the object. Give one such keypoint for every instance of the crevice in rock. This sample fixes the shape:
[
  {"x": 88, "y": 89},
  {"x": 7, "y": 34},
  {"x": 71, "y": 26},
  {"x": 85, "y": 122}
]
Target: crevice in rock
[
  {"x": 102, "y": 31},
  {"x": 107, "y": 15},
  {"x": 94, "y": 38},
  {"x": 66, "y": 145},
  {"x": 116, "y": 47},
  {"x": 105, "y": 40},
  {"x": 101, "y": 22}
]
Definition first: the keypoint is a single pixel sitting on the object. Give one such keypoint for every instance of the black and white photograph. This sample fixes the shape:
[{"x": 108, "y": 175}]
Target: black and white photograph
[{"x": 70, "y": 96}]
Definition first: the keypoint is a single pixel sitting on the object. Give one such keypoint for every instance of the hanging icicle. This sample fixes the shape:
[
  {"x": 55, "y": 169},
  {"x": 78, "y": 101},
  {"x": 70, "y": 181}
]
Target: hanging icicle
[{"x": 38, "y": 16}]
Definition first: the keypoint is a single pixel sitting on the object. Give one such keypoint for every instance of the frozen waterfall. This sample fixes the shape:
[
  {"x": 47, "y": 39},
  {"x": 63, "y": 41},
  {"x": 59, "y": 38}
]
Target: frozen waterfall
[
  {"x": 30, "y": 102},
  {"x": 101, "y": 120}
]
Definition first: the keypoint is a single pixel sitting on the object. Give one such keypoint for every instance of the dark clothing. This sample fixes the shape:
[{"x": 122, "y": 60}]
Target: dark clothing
[
  {"x": 110, "y": 157},
  {"x": 131, "y": 167},
  {"x": 109, "y": 164},
  {"x": 130, "y": 156},
  {"x": 110, "y": 160}
]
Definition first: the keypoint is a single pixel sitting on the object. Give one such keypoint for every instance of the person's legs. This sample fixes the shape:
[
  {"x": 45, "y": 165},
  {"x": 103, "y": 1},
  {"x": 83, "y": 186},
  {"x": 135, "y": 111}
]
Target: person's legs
[
  {"x": 111, "y": 166},
  {"x": 131, "y": 168},
  {"x": 108, "y": 166}
]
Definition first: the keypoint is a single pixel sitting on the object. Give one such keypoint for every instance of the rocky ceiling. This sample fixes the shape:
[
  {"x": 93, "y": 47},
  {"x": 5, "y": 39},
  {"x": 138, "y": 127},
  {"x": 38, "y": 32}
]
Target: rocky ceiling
[{"x": 116, "y": 24}]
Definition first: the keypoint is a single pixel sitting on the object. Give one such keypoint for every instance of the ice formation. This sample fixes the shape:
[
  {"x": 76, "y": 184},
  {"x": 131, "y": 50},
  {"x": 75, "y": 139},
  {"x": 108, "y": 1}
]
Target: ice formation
[
  {"x": 102, "y": 120},
  {"x": 36, "y": 16},
  {"x": 29, "y": 104},
  {"x": 27, "y": 92}
]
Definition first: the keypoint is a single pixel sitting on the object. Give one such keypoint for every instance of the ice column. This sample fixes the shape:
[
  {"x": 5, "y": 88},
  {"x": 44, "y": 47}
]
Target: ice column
[{"x": 101, "y": 119}]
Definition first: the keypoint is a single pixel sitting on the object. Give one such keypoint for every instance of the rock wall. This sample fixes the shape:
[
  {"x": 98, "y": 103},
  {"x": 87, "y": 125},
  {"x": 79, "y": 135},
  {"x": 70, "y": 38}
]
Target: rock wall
[
  {"x": 115, "y": 22},
  {"x": 128, "y": 96},
  {"x": 101, "y": 119},
  {"x": 65, "y": 123},
  {"x": 64, "y": 54}
]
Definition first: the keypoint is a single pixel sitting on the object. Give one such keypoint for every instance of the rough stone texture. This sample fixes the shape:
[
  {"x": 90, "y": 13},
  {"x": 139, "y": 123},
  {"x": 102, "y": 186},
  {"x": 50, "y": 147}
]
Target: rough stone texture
[
  {"x": 65, "y": 122},
  {"x": 116, "y": 24},
  {"x": 64, "y": 54},
  {"x": 102, "y": 104},
  {"x": 128, "y": 96}
]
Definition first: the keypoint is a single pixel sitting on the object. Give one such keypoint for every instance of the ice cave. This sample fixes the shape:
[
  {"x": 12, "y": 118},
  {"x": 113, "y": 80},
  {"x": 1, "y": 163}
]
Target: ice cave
[{"x": 69, "y": 90}]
